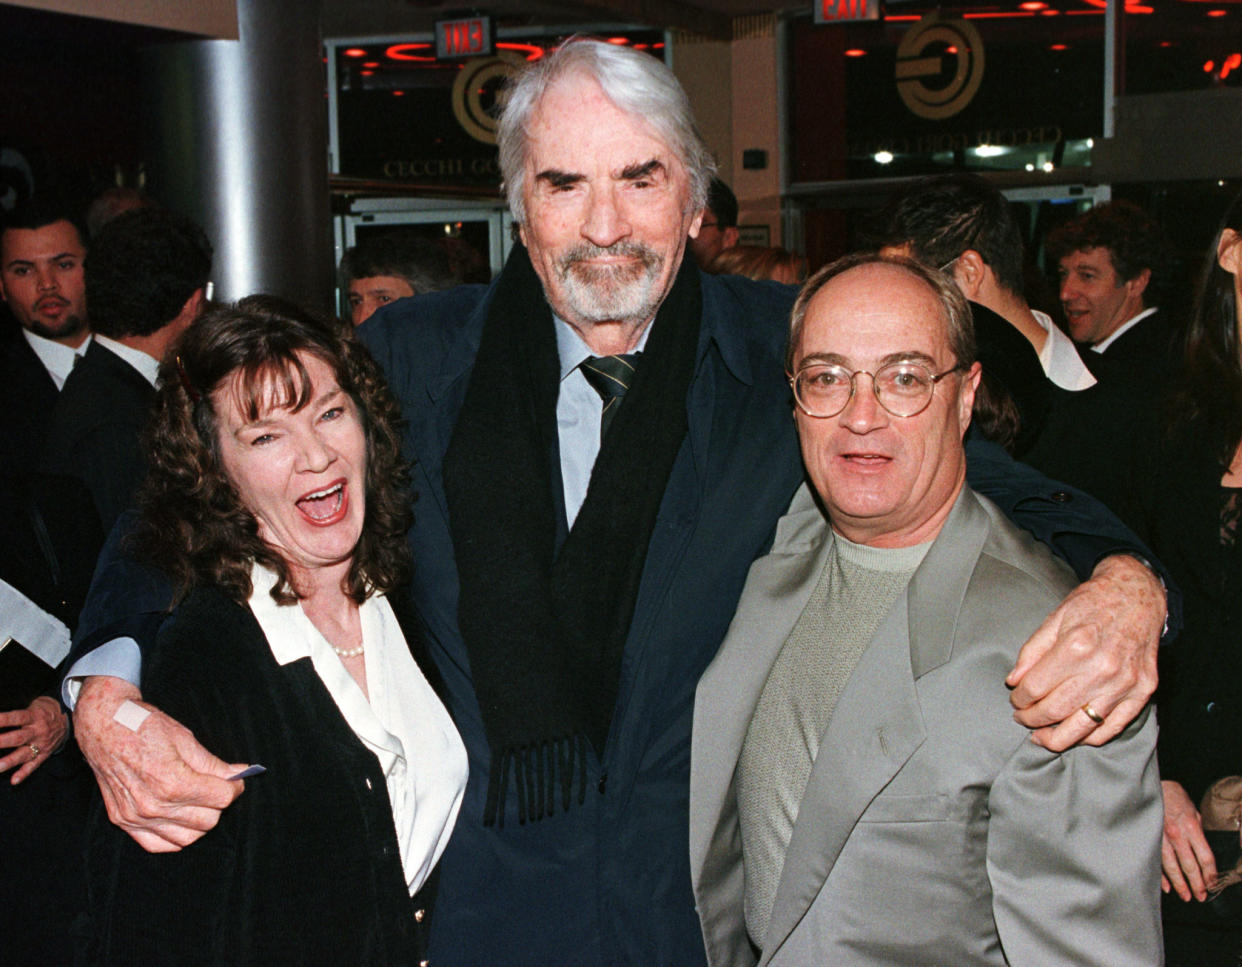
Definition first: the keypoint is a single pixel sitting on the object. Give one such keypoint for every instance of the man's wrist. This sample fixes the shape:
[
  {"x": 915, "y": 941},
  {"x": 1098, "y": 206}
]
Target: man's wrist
[{"x": 1152, "y": 570}]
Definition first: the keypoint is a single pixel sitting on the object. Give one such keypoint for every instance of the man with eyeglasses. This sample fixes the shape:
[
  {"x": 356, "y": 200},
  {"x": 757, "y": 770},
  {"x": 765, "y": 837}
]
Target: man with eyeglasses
[{"x": 860, "y": 792}]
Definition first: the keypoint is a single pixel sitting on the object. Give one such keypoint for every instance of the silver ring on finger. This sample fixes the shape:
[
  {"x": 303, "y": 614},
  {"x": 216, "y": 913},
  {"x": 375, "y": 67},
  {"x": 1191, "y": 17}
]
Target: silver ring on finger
[{"x": 34, "y": 752}]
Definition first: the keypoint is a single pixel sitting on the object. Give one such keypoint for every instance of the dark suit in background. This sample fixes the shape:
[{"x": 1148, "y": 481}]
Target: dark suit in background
[
  {"x": 95, "y": 430},
  {"x": 44, "y": 522},
  {"x": 27, "y": 394},
  {"x": 1146, "y": 351}
]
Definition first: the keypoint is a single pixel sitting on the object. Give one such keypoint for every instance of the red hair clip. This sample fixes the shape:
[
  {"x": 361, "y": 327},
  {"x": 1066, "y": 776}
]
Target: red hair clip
[{"x": 185, "y": 381}]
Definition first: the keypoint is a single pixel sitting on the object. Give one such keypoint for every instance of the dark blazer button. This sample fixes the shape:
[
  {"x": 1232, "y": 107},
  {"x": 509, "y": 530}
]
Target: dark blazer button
[
  {"x": 603, "y": 782},
  {"x": 1061, "y": 497}
]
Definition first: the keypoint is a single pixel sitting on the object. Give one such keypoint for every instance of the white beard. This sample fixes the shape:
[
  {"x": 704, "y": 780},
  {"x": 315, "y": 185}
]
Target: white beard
[{"x": 612, "y": 293}]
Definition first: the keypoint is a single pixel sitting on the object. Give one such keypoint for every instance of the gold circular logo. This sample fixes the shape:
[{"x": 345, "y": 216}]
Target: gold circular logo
[
  {"x": 921, "y": 57},
  {"x": 478, "y": 90}
]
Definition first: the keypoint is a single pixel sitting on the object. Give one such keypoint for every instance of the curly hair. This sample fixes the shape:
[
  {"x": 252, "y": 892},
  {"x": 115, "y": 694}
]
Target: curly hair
[
  {"x": 192, "y": 524},
  {"x": 1134, "y": 241}
]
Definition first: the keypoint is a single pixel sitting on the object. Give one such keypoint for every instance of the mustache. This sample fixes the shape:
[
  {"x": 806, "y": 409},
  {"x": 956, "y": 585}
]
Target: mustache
[{"x": 626, "y": 248}]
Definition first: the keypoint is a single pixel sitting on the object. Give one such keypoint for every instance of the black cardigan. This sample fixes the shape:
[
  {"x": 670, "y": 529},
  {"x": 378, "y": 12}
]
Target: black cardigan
[{"x": 304, "y": 867}]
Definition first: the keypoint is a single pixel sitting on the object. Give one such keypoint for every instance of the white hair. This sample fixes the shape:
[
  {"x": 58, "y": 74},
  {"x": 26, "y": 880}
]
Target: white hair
[{"x": 637, "y": 83}]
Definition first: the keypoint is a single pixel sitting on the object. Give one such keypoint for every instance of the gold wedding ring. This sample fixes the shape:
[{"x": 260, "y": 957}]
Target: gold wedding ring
[{"x": 1092, "y": 714}]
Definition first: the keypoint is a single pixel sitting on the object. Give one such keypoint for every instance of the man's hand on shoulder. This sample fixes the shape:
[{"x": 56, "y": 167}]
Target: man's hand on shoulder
[
  {"x": 1094, "y": 655},
  {"x": 158, "y": 783}
]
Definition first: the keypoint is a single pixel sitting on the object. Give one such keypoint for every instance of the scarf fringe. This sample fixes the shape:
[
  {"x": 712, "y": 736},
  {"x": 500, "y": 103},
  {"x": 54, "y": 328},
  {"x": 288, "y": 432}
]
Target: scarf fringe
[{"x": 537, "y": 771}]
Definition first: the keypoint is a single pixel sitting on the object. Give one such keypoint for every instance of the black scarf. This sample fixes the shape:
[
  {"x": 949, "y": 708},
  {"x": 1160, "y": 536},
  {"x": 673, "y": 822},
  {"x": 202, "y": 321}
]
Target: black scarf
[{"x": 545, "y": 628}]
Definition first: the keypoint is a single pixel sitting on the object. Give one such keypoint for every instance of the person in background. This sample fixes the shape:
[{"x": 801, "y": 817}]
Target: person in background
[
  {"x": 1085, "y": 432},
  {"x": 759, "y": 262},
  {"x": 44, "y": 786},
  {"x": 113, "y": 201},
  {"x": 1108, "y": 261},
  {"x": 1190, "y": 497},
  {"x": 146, "y": 277},
  {"x": 394, "y": 265},
  {"x": 277, "y": 503},
  {"x": 718, "y": 229}
]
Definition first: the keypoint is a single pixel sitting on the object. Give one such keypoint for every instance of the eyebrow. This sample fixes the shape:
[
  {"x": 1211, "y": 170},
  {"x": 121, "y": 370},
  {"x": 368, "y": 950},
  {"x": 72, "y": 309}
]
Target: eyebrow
[
  {"x": 632, "y": 172},
  {"x": 559, "y": 179},
  {"x": 313, "y": 404},
  {"x": 905, "y": 356},
  {"x": 641, "y": 170},
  {"x": 50, "y": 258}
]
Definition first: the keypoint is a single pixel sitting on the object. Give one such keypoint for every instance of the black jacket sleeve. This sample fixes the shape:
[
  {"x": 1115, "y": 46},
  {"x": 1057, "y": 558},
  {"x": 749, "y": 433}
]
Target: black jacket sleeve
[{"x": 1077, "y": 527}]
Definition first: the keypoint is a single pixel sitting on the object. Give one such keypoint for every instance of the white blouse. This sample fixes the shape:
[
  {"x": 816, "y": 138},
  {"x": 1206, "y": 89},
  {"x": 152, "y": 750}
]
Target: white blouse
[{"x": 404, "y": 723}]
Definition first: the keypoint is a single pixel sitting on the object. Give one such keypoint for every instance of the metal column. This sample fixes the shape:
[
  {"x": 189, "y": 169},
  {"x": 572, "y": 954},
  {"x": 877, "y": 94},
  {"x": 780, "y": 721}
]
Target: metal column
[{"x": 238, "y": 140}]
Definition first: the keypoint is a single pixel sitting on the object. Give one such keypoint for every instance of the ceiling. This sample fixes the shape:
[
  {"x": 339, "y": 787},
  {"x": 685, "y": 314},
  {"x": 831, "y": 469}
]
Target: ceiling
[{"x": 358, "y": 18}]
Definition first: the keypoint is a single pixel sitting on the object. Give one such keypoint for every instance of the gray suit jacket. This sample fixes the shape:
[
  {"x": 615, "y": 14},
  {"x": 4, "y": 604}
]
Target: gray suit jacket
[{"x": 932, "y": 830}]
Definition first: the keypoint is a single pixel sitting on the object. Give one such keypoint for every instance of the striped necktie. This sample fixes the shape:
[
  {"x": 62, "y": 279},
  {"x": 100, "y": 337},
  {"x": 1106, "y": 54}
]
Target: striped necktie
[{"x": 610, "y": 377}]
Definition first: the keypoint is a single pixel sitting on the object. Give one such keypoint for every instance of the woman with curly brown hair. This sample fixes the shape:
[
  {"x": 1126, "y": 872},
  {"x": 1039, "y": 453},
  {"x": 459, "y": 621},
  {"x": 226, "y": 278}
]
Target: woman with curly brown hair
[{"x": 276, "y": 502}]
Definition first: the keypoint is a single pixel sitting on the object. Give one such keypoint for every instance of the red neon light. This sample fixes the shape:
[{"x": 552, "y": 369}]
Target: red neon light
[
  {"x": 1131, "y": 6},
  {"x": 855, "y": 52},
  {"x": 398, "y": 93},
  {"x": 1216, "y": 13},
  {"x": 619, "y": 41},
  {"x": 1209, "y": 67},
  {"x": 1032, "y": 5},
  {"x": 403, "y": 52},
  {"x": 1233, "y": 62},
  {"x": 354, "y": 52},
  {"x": 1058, "y": 47},
  {"x": 366, "y": 73},
  {"x": 530, "y": 51}
]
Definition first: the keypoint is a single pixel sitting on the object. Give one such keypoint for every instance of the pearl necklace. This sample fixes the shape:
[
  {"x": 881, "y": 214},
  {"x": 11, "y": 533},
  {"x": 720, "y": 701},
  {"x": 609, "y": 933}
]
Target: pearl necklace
[{"x": 348, "y": 652}]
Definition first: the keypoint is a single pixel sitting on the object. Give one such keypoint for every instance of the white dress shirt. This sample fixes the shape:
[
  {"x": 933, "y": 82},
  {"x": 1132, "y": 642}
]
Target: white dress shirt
[
  {"x": 57, "y": 358},
  {"x": 1121, "y": 330},
  {"x": 1060, "y": 358},
  {"x": 578, "y": 414},
  {"x": 403, "y": 722},
  {"x": 148, "y": 366}
]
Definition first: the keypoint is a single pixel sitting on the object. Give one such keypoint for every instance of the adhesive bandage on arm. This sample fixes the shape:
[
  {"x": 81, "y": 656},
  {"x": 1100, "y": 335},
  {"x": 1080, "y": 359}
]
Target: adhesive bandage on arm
[{"x": 131, "y": 715}]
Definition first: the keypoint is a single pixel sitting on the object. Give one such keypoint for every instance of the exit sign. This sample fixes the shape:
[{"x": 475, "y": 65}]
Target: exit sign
[
  {"x": 846, "y": 11},
  {"x": 471, "y": 37}
]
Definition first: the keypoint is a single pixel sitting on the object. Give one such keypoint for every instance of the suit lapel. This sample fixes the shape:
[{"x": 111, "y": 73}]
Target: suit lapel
[
  {"x": 874, "y": 729},
  {"x": 878, "y": 723}
]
